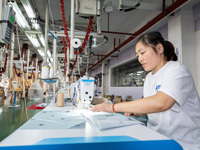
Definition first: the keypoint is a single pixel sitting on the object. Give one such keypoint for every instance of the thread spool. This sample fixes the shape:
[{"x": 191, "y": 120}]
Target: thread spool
[
  {"x": 45, "y": 72},
  {"x": 76, "y": 43},
  {"x": 60, "y": 100},
  {"x": 68, "y": 92},
  {"x": 51, "y": 74}
]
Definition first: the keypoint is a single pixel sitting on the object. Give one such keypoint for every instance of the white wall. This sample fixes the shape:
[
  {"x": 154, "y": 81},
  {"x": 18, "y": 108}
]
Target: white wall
[
  {"x": 181, "y": 32},
  {"x": 188, "y": 40},
  {"x": 135, "y": 92},
  {"x": 198, "y": 60},
  {"x": 174, "y": 34}
]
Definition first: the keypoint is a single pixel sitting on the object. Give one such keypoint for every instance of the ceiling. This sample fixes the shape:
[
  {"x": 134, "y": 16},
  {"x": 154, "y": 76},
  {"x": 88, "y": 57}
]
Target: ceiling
[{"x": 116, "y": 25}]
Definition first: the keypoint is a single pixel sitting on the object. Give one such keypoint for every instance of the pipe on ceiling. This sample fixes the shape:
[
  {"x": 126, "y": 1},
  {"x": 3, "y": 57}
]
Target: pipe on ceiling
[
  {"x": 111, "y": 32},
  {"x": 46, "y": 30},
  {"x": 151, "y": 23}
]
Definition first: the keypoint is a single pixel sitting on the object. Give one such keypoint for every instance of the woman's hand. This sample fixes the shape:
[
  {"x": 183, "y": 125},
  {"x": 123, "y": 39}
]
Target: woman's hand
[
  {"x": 107, "y": 107},
  {"x": 127, "y": 114},
  {"x": 134, "y": 114}
]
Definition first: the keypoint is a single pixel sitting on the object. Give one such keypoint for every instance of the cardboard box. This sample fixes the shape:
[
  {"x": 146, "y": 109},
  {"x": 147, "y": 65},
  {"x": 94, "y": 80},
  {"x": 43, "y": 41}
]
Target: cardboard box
[
  {"x": 110, "y": 97},
  {"x": 129, "y": 98},
  {"x": 118, "y": 99},
  {"x": 99, "y": 100}
]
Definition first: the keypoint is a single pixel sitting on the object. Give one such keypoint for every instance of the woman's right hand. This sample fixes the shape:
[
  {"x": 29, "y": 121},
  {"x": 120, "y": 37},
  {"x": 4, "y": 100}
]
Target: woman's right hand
[
  {"x": 127, "y": 114},
  {"x": 106, "y": 107}
]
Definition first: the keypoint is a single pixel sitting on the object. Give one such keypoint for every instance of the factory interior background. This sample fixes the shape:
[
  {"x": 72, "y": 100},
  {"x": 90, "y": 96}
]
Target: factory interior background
[{"x": 47, "y": 47}]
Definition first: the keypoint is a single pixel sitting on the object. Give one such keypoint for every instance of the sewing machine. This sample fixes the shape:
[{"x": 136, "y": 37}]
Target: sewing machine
[{"x": 82, "y": 92}]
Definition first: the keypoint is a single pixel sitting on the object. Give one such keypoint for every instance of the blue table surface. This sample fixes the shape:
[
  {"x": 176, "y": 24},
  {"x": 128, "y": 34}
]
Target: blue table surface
[{"x": 98, "y": 143}]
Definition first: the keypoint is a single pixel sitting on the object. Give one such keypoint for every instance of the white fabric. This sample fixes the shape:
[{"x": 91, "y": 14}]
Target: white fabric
[
  {"x": 182, "y": 121},
  {"x": 111, "y": 120}
]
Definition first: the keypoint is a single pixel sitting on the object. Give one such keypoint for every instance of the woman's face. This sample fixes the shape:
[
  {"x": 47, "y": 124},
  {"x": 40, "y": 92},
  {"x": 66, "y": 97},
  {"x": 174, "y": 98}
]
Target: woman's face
[{"x": 149, "y": 59}]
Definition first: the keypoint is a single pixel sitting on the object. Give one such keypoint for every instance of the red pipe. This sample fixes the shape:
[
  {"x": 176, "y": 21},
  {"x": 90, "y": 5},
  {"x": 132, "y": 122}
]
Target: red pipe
[
  {"x": 65, "y": 60},
  {"x": 15, "y": 66},
  {"x": 102, "y": 55},
  {"x": 32, "y": 66},
  {"x": 117, "y": 32},
  {"x": 163, "y": 6},
  {"x": 86, "y": 36},
  {"x": 66, "y": 33},
  {"x": 24, "y": 58},
  {"x": 159, "y": 17},
  {"x": 114, "y": 43},
  {"x": 108, "y": 21},
  {"x": 64, "y": 22},
  {"x": 84, "y": 43},
  {"x": 24, "y": 51}
]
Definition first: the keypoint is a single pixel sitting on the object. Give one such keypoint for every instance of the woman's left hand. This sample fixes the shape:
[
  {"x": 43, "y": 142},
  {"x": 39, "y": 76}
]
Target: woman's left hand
[{"x": 106, "y": 107}]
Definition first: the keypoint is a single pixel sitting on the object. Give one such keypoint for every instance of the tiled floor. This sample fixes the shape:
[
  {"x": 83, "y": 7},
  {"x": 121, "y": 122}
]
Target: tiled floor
[{"x": 12, "y": 118}]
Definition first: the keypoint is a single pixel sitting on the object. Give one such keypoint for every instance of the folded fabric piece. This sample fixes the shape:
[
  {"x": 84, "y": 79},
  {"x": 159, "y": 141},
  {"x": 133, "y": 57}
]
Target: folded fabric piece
[
  {"x": 47, "y": 124},
  {"x": 112, "y": 120},
  {"x": 54, "y": 120}
]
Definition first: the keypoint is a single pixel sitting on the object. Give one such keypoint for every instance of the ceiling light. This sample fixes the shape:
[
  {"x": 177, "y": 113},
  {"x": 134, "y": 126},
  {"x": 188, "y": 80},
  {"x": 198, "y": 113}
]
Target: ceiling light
[
  {"x": 20, "y": 17},
  {"x": 42, "y": 40},
  {"x": 51, "y": 59},
  {"x": 41, "y": 52},
  {"x": 31, "y": 14},
  {"x": 28, "y": 8},
  {"x": 49, "y": 53},
  {"x": 33, "y": 40}
]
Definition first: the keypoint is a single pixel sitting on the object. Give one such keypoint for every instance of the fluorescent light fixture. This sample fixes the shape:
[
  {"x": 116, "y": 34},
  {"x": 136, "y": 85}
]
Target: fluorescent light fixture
[
  {"x": 31, "y": 13},
  {"x": 42, "y": 40},
  {"x": 48, "y": 53},
  {"x": 51, "y": 59},
  {"x": 24, "y": 24},
  {"x": 20, "y": 17},
  {"x": 33, "y": 40},
  {"x": 41, "y": 52},
  {"x": 28, "y": 8}
]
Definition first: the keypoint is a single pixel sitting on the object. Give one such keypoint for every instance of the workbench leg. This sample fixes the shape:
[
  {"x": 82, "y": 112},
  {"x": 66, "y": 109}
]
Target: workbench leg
[{"x": 14, "y": 103}]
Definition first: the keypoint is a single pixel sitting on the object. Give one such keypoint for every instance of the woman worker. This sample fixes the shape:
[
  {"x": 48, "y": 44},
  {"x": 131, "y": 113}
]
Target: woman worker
[{"x": 170, "y": 97}]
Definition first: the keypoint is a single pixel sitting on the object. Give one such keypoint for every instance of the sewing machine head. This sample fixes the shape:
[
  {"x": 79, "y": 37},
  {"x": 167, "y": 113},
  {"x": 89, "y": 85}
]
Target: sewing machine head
[{"x": 86, "y": 90}]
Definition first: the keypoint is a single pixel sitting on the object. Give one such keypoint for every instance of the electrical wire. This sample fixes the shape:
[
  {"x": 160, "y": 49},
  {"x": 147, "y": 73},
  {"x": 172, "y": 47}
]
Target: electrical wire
[{"x": 64, "y": 23}]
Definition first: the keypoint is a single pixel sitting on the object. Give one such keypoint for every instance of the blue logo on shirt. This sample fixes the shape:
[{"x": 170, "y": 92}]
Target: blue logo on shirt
[{"x": 157, "y": 87}]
